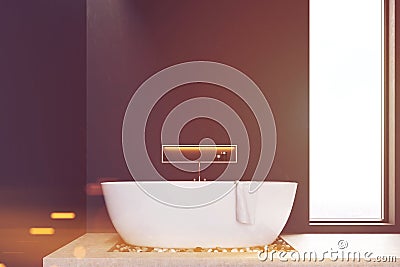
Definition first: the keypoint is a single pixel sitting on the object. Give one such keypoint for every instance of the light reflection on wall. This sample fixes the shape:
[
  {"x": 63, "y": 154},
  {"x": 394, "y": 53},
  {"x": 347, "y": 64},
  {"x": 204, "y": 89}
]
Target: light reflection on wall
[
  {"x": 63, "y": 215},
  {"x": 42, "y": 231}
]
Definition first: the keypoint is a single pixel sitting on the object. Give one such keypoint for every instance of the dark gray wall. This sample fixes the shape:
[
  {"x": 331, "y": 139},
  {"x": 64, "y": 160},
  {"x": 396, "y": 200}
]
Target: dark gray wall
[{"x": 43, "y": 131}]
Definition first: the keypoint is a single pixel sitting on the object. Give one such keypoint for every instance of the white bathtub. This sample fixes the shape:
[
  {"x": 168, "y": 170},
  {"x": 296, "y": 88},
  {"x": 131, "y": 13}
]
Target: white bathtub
[{"x": 143, "y": 221}]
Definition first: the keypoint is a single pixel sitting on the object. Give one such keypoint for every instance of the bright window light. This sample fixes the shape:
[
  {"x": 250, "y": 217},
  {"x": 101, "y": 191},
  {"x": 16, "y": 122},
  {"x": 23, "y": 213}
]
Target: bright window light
[{"x": 346, "y": 103}]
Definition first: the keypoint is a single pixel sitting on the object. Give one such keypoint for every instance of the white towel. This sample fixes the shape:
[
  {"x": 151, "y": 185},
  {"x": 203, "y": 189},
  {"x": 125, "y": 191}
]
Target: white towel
[{"x": 245, "y": 203}]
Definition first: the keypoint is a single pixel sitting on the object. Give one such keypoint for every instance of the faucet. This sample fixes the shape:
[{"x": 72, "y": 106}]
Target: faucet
[{"x": 199, "y": 170}]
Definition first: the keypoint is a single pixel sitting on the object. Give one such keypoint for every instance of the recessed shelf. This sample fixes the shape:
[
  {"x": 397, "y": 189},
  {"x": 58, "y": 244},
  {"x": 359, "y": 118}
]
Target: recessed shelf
[{"x": 199, "y": 154}]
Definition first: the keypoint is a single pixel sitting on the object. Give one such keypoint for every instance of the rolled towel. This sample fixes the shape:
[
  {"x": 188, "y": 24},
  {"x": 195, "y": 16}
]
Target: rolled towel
[{"x": 245, "y": 203}]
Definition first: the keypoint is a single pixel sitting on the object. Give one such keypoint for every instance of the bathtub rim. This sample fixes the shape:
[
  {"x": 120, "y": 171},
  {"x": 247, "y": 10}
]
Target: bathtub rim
[
  {"x": 198, "y": 184},
  {"x": 192, "y": 182}
]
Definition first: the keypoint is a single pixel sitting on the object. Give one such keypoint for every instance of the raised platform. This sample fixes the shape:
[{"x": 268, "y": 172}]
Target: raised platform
[{"x": 96, "y": 249}]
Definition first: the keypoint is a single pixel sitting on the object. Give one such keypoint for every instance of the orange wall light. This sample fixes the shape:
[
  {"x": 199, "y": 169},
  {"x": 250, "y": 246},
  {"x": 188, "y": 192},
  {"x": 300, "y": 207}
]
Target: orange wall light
[
  {"x": 63, "y": 215},
  {"x": 42, "y": 231}
]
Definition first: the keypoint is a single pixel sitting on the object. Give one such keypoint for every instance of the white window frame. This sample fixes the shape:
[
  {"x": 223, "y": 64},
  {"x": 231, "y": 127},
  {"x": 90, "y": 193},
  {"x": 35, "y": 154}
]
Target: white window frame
[{"x": 388, "y": 144}]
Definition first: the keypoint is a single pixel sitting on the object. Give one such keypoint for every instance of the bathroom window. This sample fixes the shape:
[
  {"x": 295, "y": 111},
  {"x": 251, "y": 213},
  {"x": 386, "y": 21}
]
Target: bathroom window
[{"x": 351, "y": 101}]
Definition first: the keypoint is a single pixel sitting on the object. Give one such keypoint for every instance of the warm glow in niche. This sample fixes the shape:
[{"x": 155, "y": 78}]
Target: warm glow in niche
[
  {"x": 198, "y": 148},
  {"x": 199, "y": 153}
]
